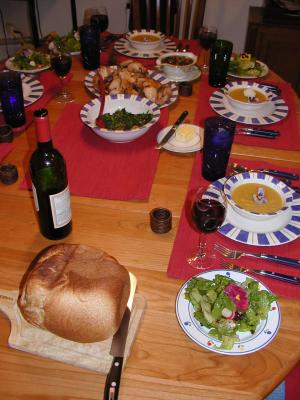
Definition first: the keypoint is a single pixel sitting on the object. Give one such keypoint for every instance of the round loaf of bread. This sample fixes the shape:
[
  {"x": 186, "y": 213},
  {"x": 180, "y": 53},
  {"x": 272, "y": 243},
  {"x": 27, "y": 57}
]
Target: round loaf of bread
[{"x": 76, "y": 292}]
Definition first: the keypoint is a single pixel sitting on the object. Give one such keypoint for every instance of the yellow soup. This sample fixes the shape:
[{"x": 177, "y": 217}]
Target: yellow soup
[
  {"x": 239, "y": 94},
  {"x": 145, "y": 38},
  {"x": 243, "y": 196}
]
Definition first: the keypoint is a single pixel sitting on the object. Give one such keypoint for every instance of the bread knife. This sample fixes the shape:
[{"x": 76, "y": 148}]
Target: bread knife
[
  {"x": 113, "y": 379},
  {"x": 171, "y": 132}
]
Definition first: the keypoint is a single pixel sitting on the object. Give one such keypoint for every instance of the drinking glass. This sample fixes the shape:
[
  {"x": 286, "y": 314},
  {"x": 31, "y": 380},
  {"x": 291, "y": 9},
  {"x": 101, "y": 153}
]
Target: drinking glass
[
  {"x": 207, "y": 37},
  {"x": 99, "y": 18},
  {"x": 90, "y": 46},
  {"x": 206, "y": 215},
  {"x": 61, "y": 63}
]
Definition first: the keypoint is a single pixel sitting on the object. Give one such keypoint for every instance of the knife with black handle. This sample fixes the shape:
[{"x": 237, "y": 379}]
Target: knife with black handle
[
  {"x": 276, "y": 275},
  {"x": 171, "y": 132}
]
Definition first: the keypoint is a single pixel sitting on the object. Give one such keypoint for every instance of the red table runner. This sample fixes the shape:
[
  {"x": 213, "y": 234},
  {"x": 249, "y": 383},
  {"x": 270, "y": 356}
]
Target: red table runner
[
  {"x": 101, "y": 169},
  {"x": 289, "y": 138},
  {"x": 5, "y": 148}
]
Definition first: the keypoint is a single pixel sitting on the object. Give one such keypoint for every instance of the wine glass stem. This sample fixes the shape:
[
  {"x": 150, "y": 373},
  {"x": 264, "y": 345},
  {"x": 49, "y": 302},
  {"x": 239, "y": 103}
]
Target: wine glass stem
[{"x": 201, "y": 245}]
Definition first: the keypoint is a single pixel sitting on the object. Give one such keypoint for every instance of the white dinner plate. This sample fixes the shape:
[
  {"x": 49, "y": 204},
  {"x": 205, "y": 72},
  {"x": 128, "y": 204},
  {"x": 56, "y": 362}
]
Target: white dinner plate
[
  {"x": 178, "y": 147},
  {"x": 89, "y": 84},
  {"x": 248, "y": 343},
  {"x": 265, "y": 71},
  {"x": 9, "y": 65},
  {"x": 192, "y": 75},
  {"x": 274, "y": 111},
  {"x": 123, "y": 46},
  {"x": 32, "y": 90},
  {"x": 283, "y": 229}
]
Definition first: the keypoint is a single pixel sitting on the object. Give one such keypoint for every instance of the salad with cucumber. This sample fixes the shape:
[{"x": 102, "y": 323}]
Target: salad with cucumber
[
  {"x": 28, "y": 59},
  {"x": 69, "y": 43},
  {"x": 245, "y": 64},
  {"x": 227, "y": 307}
]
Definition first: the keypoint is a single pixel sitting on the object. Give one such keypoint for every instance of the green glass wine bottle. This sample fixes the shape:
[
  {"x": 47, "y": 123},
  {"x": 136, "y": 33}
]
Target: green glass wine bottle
[{"x": 49, "y": 183}]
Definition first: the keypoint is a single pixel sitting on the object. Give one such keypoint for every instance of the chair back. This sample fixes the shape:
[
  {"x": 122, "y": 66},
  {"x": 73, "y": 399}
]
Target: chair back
[{"x": 181, "y": 18}]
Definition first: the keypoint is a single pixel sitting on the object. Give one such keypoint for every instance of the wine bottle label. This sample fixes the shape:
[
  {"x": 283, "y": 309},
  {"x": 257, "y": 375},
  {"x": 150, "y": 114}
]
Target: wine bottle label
[
  {"x": 36, "y": 202},
  {"x": 61, "y": 208}
]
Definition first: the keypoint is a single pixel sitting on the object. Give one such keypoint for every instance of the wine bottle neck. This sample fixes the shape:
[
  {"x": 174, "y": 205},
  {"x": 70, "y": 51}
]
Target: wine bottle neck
[
  {"x": 42, "y": 127},
  {"x": 45, "y": 146}
]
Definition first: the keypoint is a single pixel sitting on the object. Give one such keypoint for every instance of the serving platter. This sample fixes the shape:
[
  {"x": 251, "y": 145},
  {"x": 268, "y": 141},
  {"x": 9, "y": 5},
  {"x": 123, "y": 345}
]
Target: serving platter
[
  {"x": 280, "y": 230},
  {"x": 177, "y": 147},
  {"x": 274, "y": 111},
  {"x": 248, "y": 343},
  {"x": 265, "y": 71},
  {"x": 89, "y": 84},
  {"x": 123, "y": 46},
  {"x": 10, "y": 65},
  {"x": 32, "y": 90}
]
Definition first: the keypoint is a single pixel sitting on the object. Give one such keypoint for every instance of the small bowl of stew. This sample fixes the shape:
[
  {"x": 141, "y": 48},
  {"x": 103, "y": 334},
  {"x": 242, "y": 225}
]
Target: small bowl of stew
[
  {"x": 176, "y": 64},
  {"x": 247, "y": 96},
  {"x": 145, "y": 40}
]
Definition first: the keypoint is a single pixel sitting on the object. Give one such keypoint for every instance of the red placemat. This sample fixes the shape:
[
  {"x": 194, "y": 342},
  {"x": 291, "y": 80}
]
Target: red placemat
[
  {"x": 187, "y": 239},
  {"x": 5, "y": 148},
  {"x": 289, "y": 138},
  {"x": 51, "y": 84},
  {"x": 101, "y": 169}
]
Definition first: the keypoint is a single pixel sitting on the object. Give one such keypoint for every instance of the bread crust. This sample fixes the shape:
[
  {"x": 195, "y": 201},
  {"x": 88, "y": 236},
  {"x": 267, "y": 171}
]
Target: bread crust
[{"x": 76, "y": 292}]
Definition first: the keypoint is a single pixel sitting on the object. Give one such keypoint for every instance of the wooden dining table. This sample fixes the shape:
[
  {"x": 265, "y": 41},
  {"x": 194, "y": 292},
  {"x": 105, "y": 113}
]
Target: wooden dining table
[{"x": 164, "y": 363}]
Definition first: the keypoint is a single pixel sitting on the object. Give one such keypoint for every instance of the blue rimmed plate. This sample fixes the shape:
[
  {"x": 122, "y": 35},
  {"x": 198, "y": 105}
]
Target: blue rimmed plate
[
  {"x": 32, "y": 90},
  {"x": 247, "y": 343},
  {"x": 132, "y": 103},
  {"x": 274, "y": 111},
  {"x": 89, "y": 84},
  {"x": 123, "y": 46},
  {"x": 280, "y": 230}
]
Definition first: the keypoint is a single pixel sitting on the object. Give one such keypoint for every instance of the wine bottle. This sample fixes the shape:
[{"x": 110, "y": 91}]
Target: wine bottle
[{"x": 49, "y": 183}]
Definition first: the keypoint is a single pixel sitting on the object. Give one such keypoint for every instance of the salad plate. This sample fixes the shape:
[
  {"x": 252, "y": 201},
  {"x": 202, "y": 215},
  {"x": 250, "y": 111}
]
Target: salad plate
[
  {"x": 123, "y": 46},
  {"x": 264, "y": 72},
  {"x": 248, "y": 343},
  {"x": 178, "y": 147},
  {"x": 10, "y": 65},
  {"x": 32, "y": 90},
  {"x": 274, "y": 111},
  {"x": 283, "y": 229},
  {"x": 89, "y": 84}
]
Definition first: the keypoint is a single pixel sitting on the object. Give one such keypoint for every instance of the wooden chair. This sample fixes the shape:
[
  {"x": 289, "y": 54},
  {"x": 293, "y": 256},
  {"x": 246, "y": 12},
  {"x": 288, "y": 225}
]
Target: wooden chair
[{"x": 181, "y": 18}]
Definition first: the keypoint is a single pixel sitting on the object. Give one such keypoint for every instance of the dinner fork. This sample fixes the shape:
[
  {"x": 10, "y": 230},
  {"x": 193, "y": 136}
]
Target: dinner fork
[
  {"x": 235, "y": 255},
  {"x": 270, "y": 274}
]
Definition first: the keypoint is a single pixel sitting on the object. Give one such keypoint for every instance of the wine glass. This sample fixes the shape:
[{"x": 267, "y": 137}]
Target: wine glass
[
  {"x": 61, "y": 63},
  {"x": 99, "y": 18},
  {"x": 207, "y": 37},
  {"x": 206, "y": 215}
]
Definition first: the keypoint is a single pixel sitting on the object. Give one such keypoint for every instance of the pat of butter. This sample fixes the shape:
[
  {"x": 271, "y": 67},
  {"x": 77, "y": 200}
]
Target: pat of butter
[{"x": 185, "y": 133}]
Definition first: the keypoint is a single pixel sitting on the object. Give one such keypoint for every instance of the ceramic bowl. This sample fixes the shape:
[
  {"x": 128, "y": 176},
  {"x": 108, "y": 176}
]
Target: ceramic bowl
[
  {"x": 265, "y": 180},
  {"x": 145, "y": 40},
  {"x": 173, "y": 64},
  {"x": 131, "y": 103},
  {"x": 252, "y": 93}
]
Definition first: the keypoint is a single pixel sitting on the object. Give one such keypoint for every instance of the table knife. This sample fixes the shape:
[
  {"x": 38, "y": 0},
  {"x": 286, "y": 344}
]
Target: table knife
[
  {"x": 117, "y": 350},
  {"x": 257, "y": 130},
  {"x": 275, "y": 172},
  {"x": 171, "y": 132}
]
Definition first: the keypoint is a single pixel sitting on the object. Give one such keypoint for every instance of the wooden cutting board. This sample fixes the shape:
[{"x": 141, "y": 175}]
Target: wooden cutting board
[{"x": 93, "y": 356}]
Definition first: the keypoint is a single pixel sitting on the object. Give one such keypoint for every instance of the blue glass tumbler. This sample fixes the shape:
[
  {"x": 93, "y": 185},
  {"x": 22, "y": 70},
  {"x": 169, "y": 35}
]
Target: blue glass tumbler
[
  {"x": 218, "y": 138},
  {"x": 12, "y": 101},
  {"x": 90, "y": 46}
]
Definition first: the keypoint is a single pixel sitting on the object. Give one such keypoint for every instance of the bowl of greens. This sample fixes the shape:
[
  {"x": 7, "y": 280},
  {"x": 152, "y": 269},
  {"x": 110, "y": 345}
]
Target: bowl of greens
[
  {"x": 228, "y": 312},
  {"x": 28, "y": 60},
  {"x": 245, "y": 65},
  {"x": 126, "y": 117}
]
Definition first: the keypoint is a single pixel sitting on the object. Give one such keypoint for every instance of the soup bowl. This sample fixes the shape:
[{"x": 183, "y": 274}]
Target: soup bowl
[
  {"x": 247, "y": 96},
  {"x": 132, "y": 103},
  {"x": 145, "y": 40},
  {"x": 257, "y": 196},
  {"x": 176, "y": 64}
]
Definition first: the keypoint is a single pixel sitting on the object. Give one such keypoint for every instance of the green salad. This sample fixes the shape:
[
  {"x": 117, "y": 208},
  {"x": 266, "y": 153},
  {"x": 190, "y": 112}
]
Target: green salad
[
  {"x": 123, "y": 120},
  {"x": 245, "y": 65},
  {"x": 28, "y": 59},
  {"x": 69, "y": 43},
  {"x": 227, "y": 307}
]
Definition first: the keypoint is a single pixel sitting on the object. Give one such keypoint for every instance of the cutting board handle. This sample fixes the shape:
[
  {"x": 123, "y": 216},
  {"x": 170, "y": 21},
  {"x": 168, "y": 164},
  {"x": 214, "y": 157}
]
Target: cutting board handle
[{"x": 8, "y": 299}]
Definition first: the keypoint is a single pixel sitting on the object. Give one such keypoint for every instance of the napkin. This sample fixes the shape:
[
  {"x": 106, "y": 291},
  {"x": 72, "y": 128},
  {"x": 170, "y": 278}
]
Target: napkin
[
  {"x": 289, "y": 138},
  {"x": 101, "y": 169},
  {"x": 187, "y": 238},
  {"x": 51, "y": 84},
  {"x": 5, "y": 148}
]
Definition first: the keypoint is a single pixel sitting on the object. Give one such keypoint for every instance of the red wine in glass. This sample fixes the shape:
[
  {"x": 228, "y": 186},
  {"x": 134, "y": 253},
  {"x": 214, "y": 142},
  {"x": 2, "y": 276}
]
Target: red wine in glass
[
  {"x": 207, "y": 37},
  {"x": 61, "y": 64},
  {"x": 100, "y": 21},
  {"x": 206, "y": 215}
]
